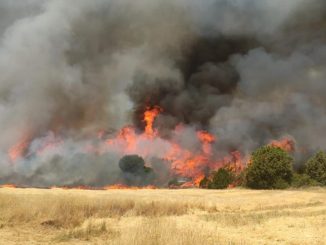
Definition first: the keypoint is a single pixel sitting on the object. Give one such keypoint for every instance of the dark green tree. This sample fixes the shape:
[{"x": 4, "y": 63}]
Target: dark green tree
[
  {"x": 316, "y": 167},
  {"x": 303, "y": 180},
  {"x": 134, "y": 171},
  {"x": 221, "y": 179},
  {"x": 270, "y": 168},
  {"x": 204, "y": 183},
  {"x": 132, "y": 164}
]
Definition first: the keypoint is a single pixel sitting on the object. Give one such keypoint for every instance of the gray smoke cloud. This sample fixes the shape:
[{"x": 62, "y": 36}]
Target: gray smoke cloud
[{"x": 249, "y": 71}]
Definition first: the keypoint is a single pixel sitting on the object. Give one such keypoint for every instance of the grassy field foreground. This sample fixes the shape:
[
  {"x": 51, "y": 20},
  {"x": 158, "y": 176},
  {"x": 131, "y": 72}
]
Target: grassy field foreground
[{"x": 34, "y": 216}]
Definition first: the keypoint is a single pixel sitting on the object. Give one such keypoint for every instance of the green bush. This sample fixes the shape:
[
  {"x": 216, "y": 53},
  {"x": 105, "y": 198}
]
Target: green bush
[
  {"x": 240, "y": 179},
  {"x": 134, "y": 172},
  {"x": 221, "y": 179},
  {"x": 281, "y": 184},
  {"x": 204, "y": 183},
  {"x": 270, "y": 168},
  {"x": 132, "y": 164},
  {"x": 316, "y": 167},
  {"x": 303, "y": 180}
]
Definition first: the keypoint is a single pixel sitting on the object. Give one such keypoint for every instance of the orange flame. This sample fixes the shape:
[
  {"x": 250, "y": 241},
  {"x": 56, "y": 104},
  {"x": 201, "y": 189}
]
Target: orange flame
[
  {"x": 198, "y": 179},
  {"x": 207, "y": 139},
  {"x": 149, "y": 117},
  {"x": 121, "y": 186},
  {"x": 127, "y": 135},
  {"x": 192, "y": 164},
  {"x": 48, "y": 145},
  {"x": 109, "y": 187},
  {"x": 285, "y": 144},
  {"x": 18, "y": 150},
  {"x": 235, "y": 162},
  {"x": 8, "y": 186}
]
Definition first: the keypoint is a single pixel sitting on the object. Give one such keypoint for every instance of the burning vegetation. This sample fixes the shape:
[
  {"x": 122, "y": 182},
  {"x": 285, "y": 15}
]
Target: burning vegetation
[
  {"x": 107, "y": 94},
  {"x": 150, "y": 160},
  {"x": 145, "y": 155}
]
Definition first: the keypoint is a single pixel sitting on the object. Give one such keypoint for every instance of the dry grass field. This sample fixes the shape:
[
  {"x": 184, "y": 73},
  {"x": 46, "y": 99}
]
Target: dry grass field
[{"x": 155, "y": 217}]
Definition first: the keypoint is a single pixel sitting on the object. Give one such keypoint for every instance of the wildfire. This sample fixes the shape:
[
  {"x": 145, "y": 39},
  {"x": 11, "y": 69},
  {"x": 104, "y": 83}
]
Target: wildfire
[
  {"x": 198, "y": 179},
  {"x": 123, "y": 187},
  {"x": 17, "y": 151},
  {"x": 49, "y": 144},
  {"x": 207, "y": 139},
  {"x": 191, "y": 163},
  {"x": 109, "y": 187},
  {"x": 80, "y": 187},
  {"x": 149, "y": 117},
  {"x": 286, "y": 144},
  {"x": 8, "y": 186},
  {"x": 235, "y": 162},
  {"x": 126, "y": 138}
]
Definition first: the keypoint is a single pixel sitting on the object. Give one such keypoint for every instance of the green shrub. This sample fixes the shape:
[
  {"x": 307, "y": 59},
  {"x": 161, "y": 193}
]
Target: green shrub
[
  {"x": 134, "y": 172},
  {"x": 240, "y": 179},
  {"x": 204, "y": 183},
  {"x": 270, "y": 168},
  {"x": 174, "y": 182},
  {"x": 316, "y": 167},
  {"x": 281, "y": 184},
  {"x": 303, "y": 180},
  {"x": 221, "y": 179},
  {"x": 132, "y": 164}
]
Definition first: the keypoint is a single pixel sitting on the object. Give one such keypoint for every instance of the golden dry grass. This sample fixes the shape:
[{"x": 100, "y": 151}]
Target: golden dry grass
[{"x": 157, "y": 217}]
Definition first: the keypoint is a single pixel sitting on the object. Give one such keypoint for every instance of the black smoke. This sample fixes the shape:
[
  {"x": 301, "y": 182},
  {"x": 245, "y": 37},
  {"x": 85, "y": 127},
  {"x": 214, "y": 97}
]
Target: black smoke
[{"x": 209, "y": 82}]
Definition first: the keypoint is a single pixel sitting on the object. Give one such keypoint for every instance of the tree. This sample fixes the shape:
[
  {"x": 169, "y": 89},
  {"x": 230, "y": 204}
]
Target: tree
[
  {"x": 134, "y": 171},
  {"x": 221, "y": 179},
  {"x": 204, "y": 183},
  {"x": 316, "y": 167},
  {"x": 132, "y": 164},
  {"x": 270, "y": 168},
  {"x": 303, "y": 180}
]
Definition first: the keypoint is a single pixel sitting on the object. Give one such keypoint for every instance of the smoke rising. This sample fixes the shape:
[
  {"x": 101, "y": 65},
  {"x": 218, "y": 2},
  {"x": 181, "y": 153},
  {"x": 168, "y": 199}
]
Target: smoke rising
[{"x": 248, "y": 71}]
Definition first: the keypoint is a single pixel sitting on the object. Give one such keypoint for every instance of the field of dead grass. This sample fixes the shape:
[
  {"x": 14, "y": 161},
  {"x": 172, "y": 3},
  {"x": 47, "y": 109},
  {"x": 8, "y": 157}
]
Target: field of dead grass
[{"x": 157, "y": 217}]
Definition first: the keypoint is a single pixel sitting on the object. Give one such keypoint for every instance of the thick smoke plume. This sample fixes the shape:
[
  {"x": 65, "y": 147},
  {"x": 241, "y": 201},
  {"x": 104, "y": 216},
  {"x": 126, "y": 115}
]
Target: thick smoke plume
[{"x": 247, "y": 71}]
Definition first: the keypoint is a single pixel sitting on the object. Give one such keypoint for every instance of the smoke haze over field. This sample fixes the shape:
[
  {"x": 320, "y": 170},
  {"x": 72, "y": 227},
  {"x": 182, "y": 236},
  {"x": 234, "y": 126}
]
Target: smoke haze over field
[{"x": 247, "y": 71}]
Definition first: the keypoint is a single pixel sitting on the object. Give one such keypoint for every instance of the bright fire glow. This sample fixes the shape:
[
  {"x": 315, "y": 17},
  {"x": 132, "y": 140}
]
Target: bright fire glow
[
  {"x": 285, "y": 144},
  {"x": 8, "y": 186},
  {"x": 149, "y": 117},
  {"x": 192, "y": 163},
  {"x": 17, "y": 151}
]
